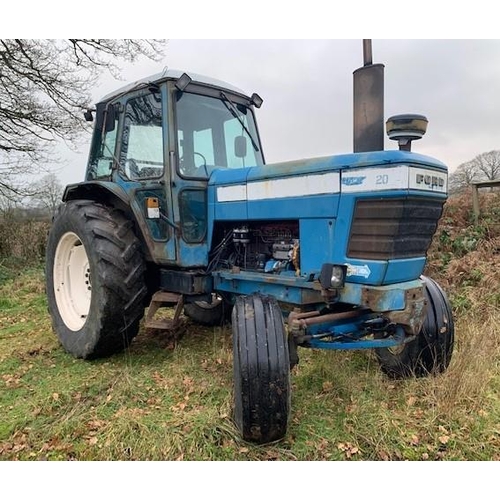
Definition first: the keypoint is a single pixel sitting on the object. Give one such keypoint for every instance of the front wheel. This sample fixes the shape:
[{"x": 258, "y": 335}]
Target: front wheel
[
  {"x": 95, "y": 279},
  {"x": 261, "y": 367},
  {"x": 431, "y": 351}
]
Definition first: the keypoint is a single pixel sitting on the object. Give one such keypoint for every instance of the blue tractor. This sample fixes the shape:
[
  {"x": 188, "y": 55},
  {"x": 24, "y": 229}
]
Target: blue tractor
[{"x": 179, "y": 209}]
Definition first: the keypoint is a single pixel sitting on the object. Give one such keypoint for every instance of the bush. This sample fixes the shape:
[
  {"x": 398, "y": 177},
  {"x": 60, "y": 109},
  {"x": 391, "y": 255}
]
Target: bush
[
  {"x": 464, "y": 255},
  {"x": 22, "y": 244}
]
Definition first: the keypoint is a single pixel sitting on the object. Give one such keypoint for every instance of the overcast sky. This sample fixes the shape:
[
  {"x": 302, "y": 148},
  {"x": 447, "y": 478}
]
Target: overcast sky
[{"x": 307, "y": 90}]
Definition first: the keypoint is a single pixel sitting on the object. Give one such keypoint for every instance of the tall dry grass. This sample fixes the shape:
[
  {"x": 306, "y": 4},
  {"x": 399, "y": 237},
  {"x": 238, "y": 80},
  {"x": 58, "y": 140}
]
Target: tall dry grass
[{"x": 465, "y": 259}]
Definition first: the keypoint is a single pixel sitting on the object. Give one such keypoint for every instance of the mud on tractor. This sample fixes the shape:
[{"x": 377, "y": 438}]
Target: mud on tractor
[{"x": 179, "y": 209}]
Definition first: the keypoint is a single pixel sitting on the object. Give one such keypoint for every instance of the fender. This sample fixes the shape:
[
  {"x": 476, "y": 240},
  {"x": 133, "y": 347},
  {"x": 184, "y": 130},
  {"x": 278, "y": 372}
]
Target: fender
[{"x": 111, "y": 194}]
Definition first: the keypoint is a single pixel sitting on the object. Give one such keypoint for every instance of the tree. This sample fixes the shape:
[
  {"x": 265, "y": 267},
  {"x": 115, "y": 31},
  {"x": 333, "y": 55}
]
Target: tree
[
  {"x": 463, "y": 177},
  {"x": 48, "y": 193},
  {"x": 488, "y": 164},
  {"x": 483, "y": 167},
  {"x": 44, "y": 86}
]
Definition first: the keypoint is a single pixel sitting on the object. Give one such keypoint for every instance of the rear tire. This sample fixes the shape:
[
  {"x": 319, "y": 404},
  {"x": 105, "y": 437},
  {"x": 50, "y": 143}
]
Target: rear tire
[
  {"x": 207, "y": 313},
  {"x": 261, "y": 367},
  {"x": 95, "y": 279},
  {"x": 430, "y": 353}
]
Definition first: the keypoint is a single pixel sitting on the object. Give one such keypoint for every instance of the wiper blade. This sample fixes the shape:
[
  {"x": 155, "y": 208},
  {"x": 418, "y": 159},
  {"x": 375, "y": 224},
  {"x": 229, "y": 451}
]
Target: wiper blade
[{"x": 234, "y": 111}]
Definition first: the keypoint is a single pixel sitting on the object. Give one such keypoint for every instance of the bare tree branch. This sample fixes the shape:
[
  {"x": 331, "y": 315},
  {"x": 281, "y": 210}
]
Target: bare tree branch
[
  {"x": 488, "y": 164},
  {"x": 485, "y": 166},
  {"x": 44, "y": 85},
  {"x": 48, "y": 193}
]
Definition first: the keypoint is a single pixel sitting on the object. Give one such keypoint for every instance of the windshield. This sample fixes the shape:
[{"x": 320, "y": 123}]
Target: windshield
[{"x": 213, "y": 135}]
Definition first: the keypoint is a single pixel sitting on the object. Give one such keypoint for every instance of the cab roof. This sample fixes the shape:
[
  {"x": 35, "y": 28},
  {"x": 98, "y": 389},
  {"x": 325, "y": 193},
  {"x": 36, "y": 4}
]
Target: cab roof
[{"x": 173, "y": 74}]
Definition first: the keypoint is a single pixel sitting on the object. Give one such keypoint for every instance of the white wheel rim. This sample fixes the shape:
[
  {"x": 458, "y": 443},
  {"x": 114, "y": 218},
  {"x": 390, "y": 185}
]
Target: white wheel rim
[{"x": 72, "y": 282}]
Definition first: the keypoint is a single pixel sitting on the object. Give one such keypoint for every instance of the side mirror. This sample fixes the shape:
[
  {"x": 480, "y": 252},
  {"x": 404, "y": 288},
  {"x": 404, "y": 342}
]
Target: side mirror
[
  {"x": 256, "y": 100},
  {"x": 89, "y": 117},
  {"x": 105, "y": 117},
  {"x": 183, "y": 82},
  {"x": 240, "y": 146}
]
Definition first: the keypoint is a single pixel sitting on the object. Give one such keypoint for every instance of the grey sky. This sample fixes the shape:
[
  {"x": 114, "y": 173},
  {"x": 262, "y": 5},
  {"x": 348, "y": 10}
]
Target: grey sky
[{"x": 307, "y": 90}]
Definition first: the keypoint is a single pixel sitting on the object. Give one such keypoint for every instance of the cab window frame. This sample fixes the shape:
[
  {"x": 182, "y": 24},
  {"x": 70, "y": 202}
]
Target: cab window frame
[
  {"x": 97, "y": 147},
  {"x": 122, "y": 153},
  {"x": 210, "y": 92}
]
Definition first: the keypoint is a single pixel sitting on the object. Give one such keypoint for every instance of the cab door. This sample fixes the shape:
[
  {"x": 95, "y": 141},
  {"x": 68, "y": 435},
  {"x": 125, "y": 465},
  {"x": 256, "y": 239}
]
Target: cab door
[
  {"x": 195, "y": 158},
  {"x": 144, "y": 169},
  {"x": 208, "y": 134}
]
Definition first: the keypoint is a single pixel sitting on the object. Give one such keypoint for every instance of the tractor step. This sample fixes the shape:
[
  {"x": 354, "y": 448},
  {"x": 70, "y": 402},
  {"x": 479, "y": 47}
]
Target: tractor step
[{"x": 164, "y": 299}]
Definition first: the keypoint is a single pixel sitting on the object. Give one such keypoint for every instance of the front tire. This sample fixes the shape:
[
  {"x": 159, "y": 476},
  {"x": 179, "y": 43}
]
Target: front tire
[
  {"x": 261, "y": 368},
  {"x": 95, "y": 279},
  {"x": 430, "y": 353}
]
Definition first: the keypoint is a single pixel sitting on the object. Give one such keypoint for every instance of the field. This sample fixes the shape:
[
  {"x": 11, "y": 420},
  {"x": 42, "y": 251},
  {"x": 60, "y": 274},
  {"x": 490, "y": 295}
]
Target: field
[{"x": 169, "y": 397}]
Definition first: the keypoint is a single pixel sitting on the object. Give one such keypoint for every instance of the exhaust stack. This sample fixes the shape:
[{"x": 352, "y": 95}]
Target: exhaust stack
[{"x": 368, "y": 104}]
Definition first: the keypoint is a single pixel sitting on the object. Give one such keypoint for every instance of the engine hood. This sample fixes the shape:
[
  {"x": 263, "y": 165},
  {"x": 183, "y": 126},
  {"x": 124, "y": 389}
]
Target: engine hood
[{"x": 323, "y": 164}]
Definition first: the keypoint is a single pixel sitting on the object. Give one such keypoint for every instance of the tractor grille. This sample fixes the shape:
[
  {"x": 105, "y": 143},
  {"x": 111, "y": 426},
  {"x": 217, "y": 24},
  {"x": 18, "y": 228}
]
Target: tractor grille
[{"x": 393, "y": 228}]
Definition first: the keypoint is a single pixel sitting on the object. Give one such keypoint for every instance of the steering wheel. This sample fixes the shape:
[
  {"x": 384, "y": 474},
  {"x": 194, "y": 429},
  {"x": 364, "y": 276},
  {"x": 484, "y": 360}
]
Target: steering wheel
[{"x": 194, "y": 168}]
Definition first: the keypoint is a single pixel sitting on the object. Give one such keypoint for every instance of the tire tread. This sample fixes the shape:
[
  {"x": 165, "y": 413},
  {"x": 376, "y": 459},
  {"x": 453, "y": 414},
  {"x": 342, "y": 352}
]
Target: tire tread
[
  {"x": 261, "y": 369},
  {"x": 119, "y": 265}
]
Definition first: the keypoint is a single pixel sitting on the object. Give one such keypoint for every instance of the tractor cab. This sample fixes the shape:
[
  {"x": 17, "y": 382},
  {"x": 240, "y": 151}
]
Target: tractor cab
[{"x": 155, "y": 145}]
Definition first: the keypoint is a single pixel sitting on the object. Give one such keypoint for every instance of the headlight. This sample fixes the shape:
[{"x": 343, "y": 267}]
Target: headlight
[{"x": 332, "y": 276}]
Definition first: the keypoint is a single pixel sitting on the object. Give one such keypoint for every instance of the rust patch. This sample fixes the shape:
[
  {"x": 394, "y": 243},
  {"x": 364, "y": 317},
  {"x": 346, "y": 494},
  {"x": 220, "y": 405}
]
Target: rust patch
[{"x": 412, "y": 317}]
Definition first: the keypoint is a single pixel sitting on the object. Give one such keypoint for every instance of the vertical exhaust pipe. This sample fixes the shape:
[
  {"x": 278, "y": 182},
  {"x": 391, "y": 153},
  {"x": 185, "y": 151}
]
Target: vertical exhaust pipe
[{"x": 368, "y": 104}]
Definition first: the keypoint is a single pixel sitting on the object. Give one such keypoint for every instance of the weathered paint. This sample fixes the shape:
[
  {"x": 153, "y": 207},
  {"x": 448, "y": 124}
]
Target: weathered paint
[
  {"x": 286, "y": 289},
  {"x": 319, "y": 193},
  {"x": 320, "y": 249},
  {"x": 348, "y": 330},
  {"x": 395, "y": 340},
  {"x": 379, "y": 298},
  {"x": 336, "y": 205},
  {"x": 123, "y": 195}
]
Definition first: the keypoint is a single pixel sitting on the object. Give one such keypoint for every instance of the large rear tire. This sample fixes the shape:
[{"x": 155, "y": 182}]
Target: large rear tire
[
  {"x": 208, "y": 313},
  {"x": 261, "y": 369},
  {"x": 430, "y": 353},
  {"x": 95, "y": 279}
]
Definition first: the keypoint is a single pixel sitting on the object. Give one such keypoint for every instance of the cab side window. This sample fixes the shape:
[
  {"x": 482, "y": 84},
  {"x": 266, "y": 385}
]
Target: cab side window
[
  {"x": 142, "y": 138},
  {"x": 102, "y": 153}
]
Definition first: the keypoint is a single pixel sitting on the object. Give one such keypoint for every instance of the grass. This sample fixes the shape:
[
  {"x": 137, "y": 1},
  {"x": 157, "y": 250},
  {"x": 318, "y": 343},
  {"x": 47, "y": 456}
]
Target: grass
[{"x": 169, "y": 398}]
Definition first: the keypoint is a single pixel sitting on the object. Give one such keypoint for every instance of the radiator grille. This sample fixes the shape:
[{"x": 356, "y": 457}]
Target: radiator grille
[{"x": 393, "y": 228}]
